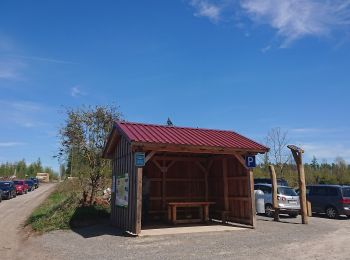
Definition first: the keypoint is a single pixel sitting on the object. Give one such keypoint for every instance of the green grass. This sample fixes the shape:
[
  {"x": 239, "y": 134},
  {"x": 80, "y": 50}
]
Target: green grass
[{"x": 62, "y": 210}]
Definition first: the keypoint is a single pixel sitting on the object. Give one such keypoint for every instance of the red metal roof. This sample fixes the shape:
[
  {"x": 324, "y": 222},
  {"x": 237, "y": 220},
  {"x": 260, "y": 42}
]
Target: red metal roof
[{"x": 160, "y": 134}]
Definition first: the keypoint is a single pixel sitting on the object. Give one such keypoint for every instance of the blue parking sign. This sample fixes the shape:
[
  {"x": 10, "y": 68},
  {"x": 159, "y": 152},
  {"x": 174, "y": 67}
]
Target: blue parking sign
[{"x": 250, "y": 161}]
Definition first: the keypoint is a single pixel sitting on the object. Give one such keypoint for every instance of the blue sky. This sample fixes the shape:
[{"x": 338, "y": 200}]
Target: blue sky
[{"x": 244, "y": 65}]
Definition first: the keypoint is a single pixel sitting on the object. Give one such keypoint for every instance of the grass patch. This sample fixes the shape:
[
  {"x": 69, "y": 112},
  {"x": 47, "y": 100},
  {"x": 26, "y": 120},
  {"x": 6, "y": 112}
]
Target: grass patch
[{"x": 62, "y": 210}]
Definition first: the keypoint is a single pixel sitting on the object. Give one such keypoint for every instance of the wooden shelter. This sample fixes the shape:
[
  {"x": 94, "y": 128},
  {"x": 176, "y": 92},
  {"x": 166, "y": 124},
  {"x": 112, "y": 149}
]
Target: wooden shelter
[{"x": 185, "y": 167}]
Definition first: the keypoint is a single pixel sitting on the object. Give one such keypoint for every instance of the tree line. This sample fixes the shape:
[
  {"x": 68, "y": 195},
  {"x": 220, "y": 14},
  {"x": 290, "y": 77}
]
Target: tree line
[{"x": 23, "y": 170}]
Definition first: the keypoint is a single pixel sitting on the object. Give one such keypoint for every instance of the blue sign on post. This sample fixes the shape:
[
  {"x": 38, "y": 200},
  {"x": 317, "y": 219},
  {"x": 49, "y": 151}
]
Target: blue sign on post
[
  {"x": 139, "y": 159},
  {"x": 250, "y": 161}
]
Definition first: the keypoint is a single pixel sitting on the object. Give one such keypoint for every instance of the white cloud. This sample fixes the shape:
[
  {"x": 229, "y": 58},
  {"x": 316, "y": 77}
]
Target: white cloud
[
  {"x": 207, "y": 9},
  {"x": 76, "y": 92},
  {"x": 10, "y": 144},
  {"x": 327, "y": 151},
  {"x": 294, "y": 19}
]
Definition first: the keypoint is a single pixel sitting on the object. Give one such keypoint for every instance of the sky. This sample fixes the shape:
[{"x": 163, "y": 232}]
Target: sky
[{"x": 243, "y": 65}]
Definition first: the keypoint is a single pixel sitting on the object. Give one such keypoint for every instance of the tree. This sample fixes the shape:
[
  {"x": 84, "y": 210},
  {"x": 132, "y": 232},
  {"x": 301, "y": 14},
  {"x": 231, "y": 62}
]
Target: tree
[
  {"x": 314, "y": 163},
  {"x": 277, "y": 140},
  {"x": 86, "y": 129}
]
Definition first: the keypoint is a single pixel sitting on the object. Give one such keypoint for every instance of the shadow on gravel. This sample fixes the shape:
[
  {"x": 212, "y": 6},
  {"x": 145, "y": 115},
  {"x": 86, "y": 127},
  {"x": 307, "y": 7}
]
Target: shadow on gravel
[
  {"x": 341, "y": 218},
  {"x": 98, "y": 230},
  {"x": 285, "y": 219}
]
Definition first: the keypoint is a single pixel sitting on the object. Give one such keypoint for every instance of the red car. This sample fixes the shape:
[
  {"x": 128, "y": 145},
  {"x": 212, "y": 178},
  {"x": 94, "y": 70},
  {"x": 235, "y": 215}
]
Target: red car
[{"x": 21, "y": 186}]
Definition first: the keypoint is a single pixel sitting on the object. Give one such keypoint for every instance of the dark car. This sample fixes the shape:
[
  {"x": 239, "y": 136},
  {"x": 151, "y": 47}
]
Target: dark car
[
  {"x": 36, "y": 182},
  {"x": 0, "y": 195},
  {"x": 280, "y": 181},
  {"x": 31, "y": 184},
  {"x": 8, "y": 189},
  {"x": 334, "y": 200}
]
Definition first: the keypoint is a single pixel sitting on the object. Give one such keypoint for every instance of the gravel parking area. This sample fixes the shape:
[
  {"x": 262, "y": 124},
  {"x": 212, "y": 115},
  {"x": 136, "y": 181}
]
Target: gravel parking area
[{"x": 288, "y": 239}]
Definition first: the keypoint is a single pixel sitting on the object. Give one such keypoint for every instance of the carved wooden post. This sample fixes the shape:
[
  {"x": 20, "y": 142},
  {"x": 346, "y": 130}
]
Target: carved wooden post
[
  {"x": 298, "y": 157},
  {"x": 274, "y": 193}
]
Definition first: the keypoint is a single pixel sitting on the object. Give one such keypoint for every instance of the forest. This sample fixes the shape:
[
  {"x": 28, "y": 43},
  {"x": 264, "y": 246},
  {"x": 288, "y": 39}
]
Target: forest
[{"x": 22, "y": 169}]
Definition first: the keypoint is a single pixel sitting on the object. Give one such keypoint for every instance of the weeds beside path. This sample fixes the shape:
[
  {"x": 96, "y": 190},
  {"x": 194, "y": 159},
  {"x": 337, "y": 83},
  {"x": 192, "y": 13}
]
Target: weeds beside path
[{"x": 62, "y": 210}]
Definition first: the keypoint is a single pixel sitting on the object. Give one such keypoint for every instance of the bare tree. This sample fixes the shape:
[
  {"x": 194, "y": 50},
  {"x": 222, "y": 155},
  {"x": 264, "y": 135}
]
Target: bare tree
[{"x": 279, "y": 155}]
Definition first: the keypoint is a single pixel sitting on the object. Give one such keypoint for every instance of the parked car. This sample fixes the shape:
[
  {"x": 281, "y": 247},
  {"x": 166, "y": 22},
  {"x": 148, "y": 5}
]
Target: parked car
[
  {"x": 1, "y": 195},
  {"x": 21, "y": 186},
  {"x": 8, "y": 189},
  {"x": 31, "y": 185},
  {"x": 36, "y": 182},
  {"x": 288, "y": 200},
  {"x": 280, "y": 181},
  {"x": 334, "y": 200}
]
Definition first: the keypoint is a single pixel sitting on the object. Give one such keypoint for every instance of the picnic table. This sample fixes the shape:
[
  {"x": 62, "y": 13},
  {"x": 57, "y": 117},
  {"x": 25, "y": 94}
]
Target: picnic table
[{"x": 202, "y": 206}]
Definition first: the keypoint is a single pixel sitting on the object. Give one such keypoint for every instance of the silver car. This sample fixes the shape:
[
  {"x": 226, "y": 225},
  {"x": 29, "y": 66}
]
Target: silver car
[{"x": 288, "y": 200}]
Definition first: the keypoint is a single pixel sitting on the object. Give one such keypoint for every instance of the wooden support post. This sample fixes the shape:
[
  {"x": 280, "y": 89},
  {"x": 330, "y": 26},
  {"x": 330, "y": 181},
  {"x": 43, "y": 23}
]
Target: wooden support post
[
  {"x": 206, "y": 187},
  {"x": 274, "y": 193},
  {"x": 139, "y": 201},
  {"x": 298, "y": 157},
  {"x": 225, "y": 180},
  {"x": 164, "y": 171},
  {"x": 252, "y": 197}
]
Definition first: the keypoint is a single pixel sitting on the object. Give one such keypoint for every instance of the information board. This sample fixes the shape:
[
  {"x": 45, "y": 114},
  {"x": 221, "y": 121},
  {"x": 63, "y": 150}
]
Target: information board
[{"x": 122, "y": 191}]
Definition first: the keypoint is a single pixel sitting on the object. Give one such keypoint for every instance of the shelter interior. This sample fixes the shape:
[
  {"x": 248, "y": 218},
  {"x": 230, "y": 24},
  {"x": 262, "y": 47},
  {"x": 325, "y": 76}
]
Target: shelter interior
[{"x": 221, "y": 180}]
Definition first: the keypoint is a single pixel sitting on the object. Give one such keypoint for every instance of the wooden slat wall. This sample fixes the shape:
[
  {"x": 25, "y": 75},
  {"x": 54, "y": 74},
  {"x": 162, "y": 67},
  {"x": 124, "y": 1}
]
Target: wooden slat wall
[
  {"x": 184, "y": 181},
  {"x": 123, "y": 162},
  {"x": 239, "y": 197}
]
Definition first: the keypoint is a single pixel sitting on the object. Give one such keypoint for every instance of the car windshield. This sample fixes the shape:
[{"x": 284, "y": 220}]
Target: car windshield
[
  {"x": 18, "y": 182},
  {"x": 346, "y": 192},
  {"x": 287, "y": 191}
]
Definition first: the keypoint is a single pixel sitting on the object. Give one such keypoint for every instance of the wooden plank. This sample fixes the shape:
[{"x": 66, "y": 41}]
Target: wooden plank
[
  {"x": 173, "y": 214},
  {"x": 169, "y": 213},
  {"x": 188, "y": 221},
  {"x": 139, "y": 201},
  {"x": 179, "y": 158},
  {"x": 206, "y": 213},
  {"x": 177, "y": 180},
  {"x": 149, "y": 156},
  {"x": 252, "y": 208},
  {"x": 192, "y": 149},
  {"x": 240, "y": 159},
  {"x": 225, "y": 183},
  {"x": 191, "y": 204}
]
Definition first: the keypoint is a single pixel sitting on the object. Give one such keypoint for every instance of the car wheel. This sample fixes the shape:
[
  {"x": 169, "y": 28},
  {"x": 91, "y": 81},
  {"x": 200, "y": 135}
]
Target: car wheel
[
  {"x": 331, "y": 212},
  {"x": 15, "y": 195},
  {"x": 293, "y": 215},
  {"x": 269, "y": 210}
]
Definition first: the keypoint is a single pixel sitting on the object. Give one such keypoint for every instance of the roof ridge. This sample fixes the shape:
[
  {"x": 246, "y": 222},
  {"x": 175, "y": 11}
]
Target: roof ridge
[{"x": 181, "y": 127}]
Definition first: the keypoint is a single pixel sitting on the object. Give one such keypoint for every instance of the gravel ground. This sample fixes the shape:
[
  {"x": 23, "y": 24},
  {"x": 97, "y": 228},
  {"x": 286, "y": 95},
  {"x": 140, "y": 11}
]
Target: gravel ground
[
  {"x": 321, "y": 239},
  {"x": 13, "y": 214}
]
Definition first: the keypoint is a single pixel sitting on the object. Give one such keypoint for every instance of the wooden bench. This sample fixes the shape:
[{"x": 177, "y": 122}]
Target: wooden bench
[{"x": 202, "y": 206}]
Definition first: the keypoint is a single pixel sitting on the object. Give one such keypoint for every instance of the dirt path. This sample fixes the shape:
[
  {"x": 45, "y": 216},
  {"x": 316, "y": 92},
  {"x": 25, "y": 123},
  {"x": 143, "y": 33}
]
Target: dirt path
[{"x": 13, "y": 214}]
